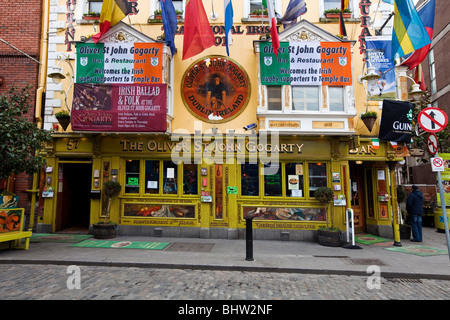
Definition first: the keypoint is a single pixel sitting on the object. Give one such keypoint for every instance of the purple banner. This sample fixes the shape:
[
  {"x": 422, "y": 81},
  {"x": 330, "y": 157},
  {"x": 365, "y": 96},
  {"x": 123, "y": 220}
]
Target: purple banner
[{"x": 119, "y": 107}]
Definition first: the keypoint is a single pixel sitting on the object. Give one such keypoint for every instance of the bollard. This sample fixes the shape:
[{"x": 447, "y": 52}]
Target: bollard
[{"x": 249, "y": 238}]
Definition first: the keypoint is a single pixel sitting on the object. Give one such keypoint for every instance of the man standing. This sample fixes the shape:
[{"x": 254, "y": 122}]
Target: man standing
[{"x": 414, "y": 207}]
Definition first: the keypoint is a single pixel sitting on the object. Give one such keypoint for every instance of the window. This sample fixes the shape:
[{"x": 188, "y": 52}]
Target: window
[
  {"x": 132, "y": 169},
  {"x": 272, "y": 182},
  {"x": 160, "y": 177},
  {"x": 336, "y": 98},
  {"x": 178, "y": 5},
  {"x": 317, "y": 176},
  {"x": 190, "y": 179},
  {"x": 274, "y": 98},
  {"x": 170, "y": 177},
  {"x": 251, "y": 5},
  {"x": 294, "y": 179},
  {"x": 331, "y": 4},
  {"x": 249, "y": 180},
  {"x": 151, "y": 176},
  {"x": 305, "y": 98},
  {"x": 95, "y": 6}
]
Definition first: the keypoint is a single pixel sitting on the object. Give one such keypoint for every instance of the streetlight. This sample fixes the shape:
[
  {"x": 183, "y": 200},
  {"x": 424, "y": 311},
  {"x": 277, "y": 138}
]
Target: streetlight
[{"x": 57, "y": 75}]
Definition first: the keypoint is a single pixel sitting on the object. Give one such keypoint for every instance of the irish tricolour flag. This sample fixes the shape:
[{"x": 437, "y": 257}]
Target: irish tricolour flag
[{"x": 139, "y": 63}]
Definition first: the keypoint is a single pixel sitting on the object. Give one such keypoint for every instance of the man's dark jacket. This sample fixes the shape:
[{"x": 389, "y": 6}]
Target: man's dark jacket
[{"x": 414, "y": 203}]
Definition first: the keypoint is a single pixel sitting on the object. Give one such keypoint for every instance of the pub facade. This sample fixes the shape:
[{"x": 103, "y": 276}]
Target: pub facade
[{"x": 200, "y": 144}]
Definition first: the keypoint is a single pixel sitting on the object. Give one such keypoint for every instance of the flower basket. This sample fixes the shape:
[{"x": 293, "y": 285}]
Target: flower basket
[
  {"x": 91, "y": 17},
  {"x": 336, "y": 15},
  {"x": 369, "y": 122},
  {"x": 64, "y": 122}
]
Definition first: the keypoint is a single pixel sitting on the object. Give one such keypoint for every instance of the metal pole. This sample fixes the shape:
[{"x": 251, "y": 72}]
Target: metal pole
[
  {"x": 444, "y": 211},
  {"x": 249, "y": 239}
]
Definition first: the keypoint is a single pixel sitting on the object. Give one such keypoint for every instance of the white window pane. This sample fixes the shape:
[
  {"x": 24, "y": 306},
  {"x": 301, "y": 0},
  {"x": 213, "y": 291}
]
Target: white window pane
[
  {"x": 305, "y": 98},
  {"x": 332, "y": 4},
  {"x": 274, "y": 97},
  {"x": 336, "y": 98}
]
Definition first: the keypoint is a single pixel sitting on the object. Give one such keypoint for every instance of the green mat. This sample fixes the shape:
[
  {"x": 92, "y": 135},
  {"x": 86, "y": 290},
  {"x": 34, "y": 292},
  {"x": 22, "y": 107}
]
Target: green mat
[
  {"x": 121, "y": 244},
  {"x": 55, "y": 237},
  {"x": 369, "y": 239},
  {"x": 419, "y": 250}
]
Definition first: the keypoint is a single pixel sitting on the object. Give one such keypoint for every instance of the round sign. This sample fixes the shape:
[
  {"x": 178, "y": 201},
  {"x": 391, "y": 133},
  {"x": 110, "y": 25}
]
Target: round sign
[
  {"x": 432, "y": 144},
  {"x": 432, "y": 119},
  {"x": 215, "y": 89}
]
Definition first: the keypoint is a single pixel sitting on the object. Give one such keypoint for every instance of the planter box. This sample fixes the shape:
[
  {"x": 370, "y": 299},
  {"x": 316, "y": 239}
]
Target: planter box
[
  {"x": 91, "y": 17},
  {"x": 336, "y": 15},
  {"x": 329, "y": 238},
  {"x": 104, "y": 230}
]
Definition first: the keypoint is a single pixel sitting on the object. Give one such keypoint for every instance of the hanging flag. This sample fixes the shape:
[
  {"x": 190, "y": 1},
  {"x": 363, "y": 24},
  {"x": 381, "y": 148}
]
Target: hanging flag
[
  {"x": 228, "y": 23},
  {"x": 113, "y": 11},
  {"x": 389, "y": 1},
  {"x": 198, "y": 35},
  {"x": 342, "y": 31},
  {"x": 394, "y": 144},
  {"x": 426, "y": 15},
  {"x": 376, "y": 143},
  {"x": 169, "y": 18},
  {"x": 294, "y": 10},
  {"x": 273, "y": 25},
  {"x": 418, "y": 78},
  {"x": 396, "y": 121},
  {"x": 408, "y": 34}
]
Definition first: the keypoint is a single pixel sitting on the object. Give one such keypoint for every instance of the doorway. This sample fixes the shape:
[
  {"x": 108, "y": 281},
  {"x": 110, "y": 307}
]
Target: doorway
[
  {"x": 74, "y": 201},
  {"x": 357, "y": 192}
]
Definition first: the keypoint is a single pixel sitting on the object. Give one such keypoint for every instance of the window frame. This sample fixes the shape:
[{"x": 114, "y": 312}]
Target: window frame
[
  {"x": 306, "y": 181},
  {"x": 142, "y": 185}
]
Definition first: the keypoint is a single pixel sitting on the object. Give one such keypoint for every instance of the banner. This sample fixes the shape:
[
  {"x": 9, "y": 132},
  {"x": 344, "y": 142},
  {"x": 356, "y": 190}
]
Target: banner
[
  {"x": 379, "y": 52},
  {"x": 139, "y": 63},
  {"x": 396, "y": 121},
  {"x": 119, "y": 108},
  {"x": 445, "y": 176},
  {"x": 306, "y": 63}
]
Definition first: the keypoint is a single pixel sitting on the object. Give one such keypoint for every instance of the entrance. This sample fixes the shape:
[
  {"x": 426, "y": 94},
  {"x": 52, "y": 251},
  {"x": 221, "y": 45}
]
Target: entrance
[
  {"x": 73, "y": 205},
  {"x": 357, "y": 191}
]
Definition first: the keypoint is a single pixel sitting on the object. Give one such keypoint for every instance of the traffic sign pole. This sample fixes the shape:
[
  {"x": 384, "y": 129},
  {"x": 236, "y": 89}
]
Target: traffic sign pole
[{"x": 444, "y": 211}]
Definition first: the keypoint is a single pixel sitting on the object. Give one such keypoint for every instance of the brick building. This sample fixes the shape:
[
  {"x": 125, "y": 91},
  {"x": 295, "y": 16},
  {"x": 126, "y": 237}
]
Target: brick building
[{"x": 20, "y": 41}]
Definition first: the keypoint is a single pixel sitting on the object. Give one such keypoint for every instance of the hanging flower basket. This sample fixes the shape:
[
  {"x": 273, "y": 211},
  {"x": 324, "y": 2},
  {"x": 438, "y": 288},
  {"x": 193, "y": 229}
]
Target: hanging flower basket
[
  {"x": 369, "y": 118},
  {"x": 63, "y": 118}
]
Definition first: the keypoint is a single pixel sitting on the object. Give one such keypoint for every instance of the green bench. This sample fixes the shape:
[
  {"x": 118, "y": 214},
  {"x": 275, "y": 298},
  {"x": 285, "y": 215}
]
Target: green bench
[{"x": 11, "y": 228}]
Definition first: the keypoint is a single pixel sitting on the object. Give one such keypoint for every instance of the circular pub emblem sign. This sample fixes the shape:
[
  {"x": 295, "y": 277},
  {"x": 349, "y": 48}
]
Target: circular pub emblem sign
[{"x": 215, "y": 89}]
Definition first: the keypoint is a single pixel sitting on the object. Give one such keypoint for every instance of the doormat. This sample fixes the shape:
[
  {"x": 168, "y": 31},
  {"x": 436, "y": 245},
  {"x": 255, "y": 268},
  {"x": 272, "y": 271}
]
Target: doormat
[
  {"x": 190, "y": 246},
  {"x": 121, "y": 244},
  {"x": 419, "y": 250},
  {"x": 54, "y": 237},
  {"x": 369, "y": 239}
]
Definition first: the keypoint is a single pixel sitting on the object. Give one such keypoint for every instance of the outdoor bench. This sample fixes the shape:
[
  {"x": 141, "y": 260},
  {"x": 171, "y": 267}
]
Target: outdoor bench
[{"x": 11, "y": 225}]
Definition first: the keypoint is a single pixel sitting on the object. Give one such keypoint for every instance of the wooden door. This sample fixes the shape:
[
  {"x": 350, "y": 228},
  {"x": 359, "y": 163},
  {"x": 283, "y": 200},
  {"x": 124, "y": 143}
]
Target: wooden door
[{"x": 357, "y": 201}]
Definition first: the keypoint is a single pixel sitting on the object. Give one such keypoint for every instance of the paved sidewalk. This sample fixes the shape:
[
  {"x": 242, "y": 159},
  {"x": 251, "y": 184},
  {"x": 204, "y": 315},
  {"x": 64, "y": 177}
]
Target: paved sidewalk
[{"x": 269, "y": 255}]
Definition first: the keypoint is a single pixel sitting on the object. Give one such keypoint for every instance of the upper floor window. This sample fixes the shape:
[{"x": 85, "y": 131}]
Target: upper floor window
[
  {"x": 331, "y": 4},
  {"x": 305, "y": 98},
  {"x": 274, "y": 98},
  {"x": 336, "y": 98},
  {"x": 95, "y": 6},
  {"x": 254, "y": 5}
]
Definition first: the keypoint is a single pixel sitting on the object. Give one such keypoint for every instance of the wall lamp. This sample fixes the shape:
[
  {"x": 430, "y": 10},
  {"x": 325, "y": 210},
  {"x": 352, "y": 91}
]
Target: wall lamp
[{"x": 57, "y": 75}]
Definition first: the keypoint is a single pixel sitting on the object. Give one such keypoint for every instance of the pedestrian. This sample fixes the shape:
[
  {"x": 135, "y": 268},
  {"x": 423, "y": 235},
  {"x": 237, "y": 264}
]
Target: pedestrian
[{"x": 414, "y": 207}]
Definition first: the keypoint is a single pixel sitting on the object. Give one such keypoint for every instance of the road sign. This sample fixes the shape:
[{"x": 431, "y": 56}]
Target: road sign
[
  {"x": 432, "y": 144},
  {"x": 432, "y": 119},
  {"x": 437, "y": 164},
  {"x": 419, "y": 130}
]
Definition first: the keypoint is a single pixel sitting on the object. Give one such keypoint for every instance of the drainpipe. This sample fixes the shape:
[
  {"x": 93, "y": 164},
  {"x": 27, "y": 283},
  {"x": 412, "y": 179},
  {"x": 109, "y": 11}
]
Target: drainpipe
[{"x": 39, "y": 95}]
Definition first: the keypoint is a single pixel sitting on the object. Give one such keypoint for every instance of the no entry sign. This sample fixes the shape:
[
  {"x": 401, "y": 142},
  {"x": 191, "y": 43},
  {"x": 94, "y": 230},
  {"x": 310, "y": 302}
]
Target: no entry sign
[{"x": 432, "y": 119}]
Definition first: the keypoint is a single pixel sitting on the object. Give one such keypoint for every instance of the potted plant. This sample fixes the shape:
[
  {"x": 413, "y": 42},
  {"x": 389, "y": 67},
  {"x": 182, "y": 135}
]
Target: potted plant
[
  {"x": 91, "y": 16},
  {"x": 104, "y": 229},
  {"x": 157, "y": 14},
  {"x": 63, "y": 118},
  {"x": 258, "y": 13},
  {"x": 369, "y": 118},
  {"x": 327, "y": 236},
  {"x": 335, "y": 13}
]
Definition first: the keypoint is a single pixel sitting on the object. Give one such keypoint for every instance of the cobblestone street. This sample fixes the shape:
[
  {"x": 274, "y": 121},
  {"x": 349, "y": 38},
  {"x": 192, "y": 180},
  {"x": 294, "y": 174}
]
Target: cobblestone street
[{"x": 48, "y": 282}]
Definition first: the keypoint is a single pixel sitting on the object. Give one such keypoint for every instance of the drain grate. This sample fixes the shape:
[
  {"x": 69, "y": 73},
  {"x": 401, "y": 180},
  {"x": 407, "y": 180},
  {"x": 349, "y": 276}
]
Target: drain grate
[
  {"x": 404, "y": 280},
  {"x": 365, "y": 262},
  {"x": 190, "y": 246}
]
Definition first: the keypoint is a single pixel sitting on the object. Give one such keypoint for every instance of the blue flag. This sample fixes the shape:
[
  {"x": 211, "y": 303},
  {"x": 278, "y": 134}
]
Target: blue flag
[
  {"x": 228, "y": 23},
  {"x": 169, "y": 18},
  {"x": 294, "y": 10},
  {"x": 408, "y": 34}
]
